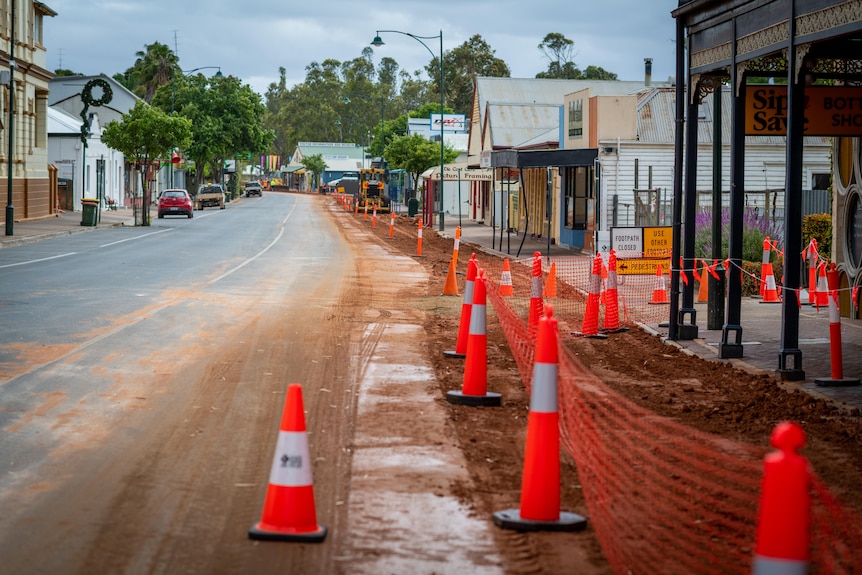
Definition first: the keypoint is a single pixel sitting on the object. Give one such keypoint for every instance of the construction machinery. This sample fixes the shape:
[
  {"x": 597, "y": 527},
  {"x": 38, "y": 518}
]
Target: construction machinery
[{"x": 374, "y": 189}]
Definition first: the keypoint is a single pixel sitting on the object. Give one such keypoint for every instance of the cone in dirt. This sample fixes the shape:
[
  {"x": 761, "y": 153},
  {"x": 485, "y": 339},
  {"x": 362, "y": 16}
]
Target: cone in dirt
[
  {"x": 536, "y": 302},
  {"x": 590, "y": 325},
  {"x": 451, "y": 287},
  {"x": 506, "y": 288},
  {"x": 659, "y": 292},
  {"x": 551, "y": 285},
  {"x": 466, "y": 307},
  {"x": 612, "y": 300},
  {"x": 784, "y": 511},
  {"x": 288, "y": 511},
  {"x": 474, "y": 391},
  {"x": 540, "y": 483}
]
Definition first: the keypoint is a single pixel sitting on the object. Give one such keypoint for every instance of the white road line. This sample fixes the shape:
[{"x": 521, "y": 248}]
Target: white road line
[
  {"x": 136, "y": 238},
  {"x": 258, "y": 254},
  {"x": 39, "y": 260}
]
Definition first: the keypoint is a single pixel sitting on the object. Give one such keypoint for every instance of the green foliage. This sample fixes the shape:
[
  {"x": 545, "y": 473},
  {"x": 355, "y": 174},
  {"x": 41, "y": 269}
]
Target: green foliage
[
  {"x": 227, "y": 119},
  {"x": 155, "y": 65},
  {"x": 755, "y": 229},
  {"x": 818, "y": 226},
  {"x": 559, "y": 51},
  {"x": 415, "y": 154},
  {"x": 316, "y": 165},
  {"x": 144, "y": 135},
  {"x": 461, "y": 65}
]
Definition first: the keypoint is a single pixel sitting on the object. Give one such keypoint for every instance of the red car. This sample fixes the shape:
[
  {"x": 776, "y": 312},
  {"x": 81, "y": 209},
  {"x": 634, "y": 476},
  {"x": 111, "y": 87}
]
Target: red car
[{"x": 175, "y": 203}]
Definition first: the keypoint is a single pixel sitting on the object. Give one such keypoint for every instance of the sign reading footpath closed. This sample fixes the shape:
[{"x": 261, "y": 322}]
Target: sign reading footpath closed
[{"x": 829, "y": 111}]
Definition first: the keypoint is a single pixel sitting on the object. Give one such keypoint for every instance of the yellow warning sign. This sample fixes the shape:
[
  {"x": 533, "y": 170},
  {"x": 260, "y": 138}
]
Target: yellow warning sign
[
  {"x": 658, "y": 242},
  {"x": 642, "y": 266}
]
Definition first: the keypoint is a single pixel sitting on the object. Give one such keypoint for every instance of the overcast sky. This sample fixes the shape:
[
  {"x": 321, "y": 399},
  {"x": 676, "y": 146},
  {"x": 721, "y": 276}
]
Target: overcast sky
[{"x": 251, "y": 39}]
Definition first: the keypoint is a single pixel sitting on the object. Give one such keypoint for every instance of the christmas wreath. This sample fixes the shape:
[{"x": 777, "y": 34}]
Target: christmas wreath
[{"x": 87, "y": 93}]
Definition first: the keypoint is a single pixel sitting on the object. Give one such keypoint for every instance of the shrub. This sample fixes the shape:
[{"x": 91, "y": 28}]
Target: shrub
[
  {"x": 818, "y": 226},
  {"x": 755, "y": 229}
]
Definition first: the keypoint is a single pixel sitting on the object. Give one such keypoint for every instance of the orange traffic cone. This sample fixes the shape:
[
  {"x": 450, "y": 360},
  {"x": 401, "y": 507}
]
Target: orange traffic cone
[
  {"x": 451, "y": 287},
  {"x": 474, "y": 390},
  {"x": 536, "y": 303},
  {"x": 770, "y": 292},
  {"x": 506, "y": 280},
  {"x": 659, "y": 293},
  {"x": 540, "y": 483},
  {"x": 703, "y": 290},
  {"x": 551, "y": 286},
  {"x": 822, "y": 295},
  {"x": 288, "y": 511},
  {"x": 784, "y": 511},
  {"x": 612, "y": 303},
  {"x": 466, "y": 308},
  {"x": 590, "y": 325}
]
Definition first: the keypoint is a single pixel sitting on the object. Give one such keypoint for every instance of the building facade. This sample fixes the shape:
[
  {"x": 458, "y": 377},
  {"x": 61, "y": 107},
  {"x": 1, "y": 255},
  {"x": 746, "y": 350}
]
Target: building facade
[{"x": 24, "y": 151}]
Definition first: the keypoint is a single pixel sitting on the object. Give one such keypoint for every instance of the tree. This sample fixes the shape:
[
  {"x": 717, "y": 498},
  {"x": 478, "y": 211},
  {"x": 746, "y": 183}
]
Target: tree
[
  {"x": 60, "y": 72},
  {"x": 145, "y": 135},
  {"x": 316, "y": 165},
  {"x": 460, "y": 66},
  {"x": 415, "y": 154},
  {"x": 227, "y": 119},
  {"x": 558, "y": 50},
  {"x": 155, "y": 66}
]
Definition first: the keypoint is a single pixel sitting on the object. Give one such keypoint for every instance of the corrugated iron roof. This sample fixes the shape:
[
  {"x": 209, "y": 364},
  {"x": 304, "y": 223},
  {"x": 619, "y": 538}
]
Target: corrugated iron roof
[{"x": 514, "y": 124}]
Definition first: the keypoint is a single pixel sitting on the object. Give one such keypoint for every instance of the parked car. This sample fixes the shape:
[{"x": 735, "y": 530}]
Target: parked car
[
  {"x": 175, "y": 203},
  {"x": 253, "y": 189},
  {"x": 209, "y": 195}
]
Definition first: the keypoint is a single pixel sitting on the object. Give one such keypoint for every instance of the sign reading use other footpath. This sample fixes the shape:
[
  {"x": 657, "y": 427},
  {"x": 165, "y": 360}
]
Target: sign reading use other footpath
[{"x": 641, "y": 250}]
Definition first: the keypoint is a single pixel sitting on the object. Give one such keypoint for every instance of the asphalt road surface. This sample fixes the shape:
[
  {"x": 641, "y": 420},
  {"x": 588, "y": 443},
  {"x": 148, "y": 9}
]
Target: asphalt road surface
[{"x": 143, "y": 375}]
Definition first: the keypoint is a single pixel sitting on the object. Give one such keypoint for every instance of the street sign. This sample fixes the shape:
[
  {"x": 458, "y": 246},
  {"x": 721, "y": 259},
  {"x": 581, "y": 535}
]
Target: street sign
[
  {"x": 627, "y": 242},
  {"x": 641, "y": 266},
  {"x": 657, "y": 242}
]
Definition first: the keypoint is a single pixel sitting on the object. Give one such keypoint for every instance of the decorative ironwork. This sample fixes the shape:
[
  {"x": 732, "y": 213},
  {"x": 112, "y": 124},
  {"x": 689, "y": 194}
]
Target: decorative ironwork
[{"x": 828, "y": 18}]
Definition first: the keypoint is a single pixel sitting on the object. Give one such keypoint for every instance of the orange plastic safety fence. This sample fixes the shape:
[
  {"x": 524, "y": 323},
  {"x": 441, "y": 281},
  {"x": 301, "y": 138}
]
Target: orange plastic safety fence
[
  {"x": 572, "y": 275},
  {"x": 662, "y": 497}
]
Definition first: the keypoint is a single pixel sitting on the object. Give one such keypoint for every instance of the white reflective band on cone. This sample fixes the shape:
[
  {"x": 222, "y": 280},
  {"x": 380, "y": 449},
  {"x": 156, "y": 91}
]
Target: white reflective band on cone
[
  {"x": 770, "y": 566},
  {"x": 506, "y": 278},
  {"x": 420, "y": 232},
  {"x": 595, "y": 283},
  {"x": 536, "y": 286},
  {"x": 468, "y": 292},
  {"x": 543, "y": 395},
  {"x": 457, "y": 244},
  {"x": 291, "y": 466},
  {"x": 834, "y": 317},
  {"x": 612, "y": 280},
  {"x": 770, "y": 282},
  {"x": 477, "y": 319}
]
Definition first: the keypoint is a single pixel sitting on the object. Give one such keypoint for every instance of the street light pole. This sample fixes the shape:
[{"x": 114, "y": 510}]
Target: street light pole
[
  {"x": 10, "y": 209},
  {"x": 185, "y": 73},
  {"x": 377, "y": 42}
]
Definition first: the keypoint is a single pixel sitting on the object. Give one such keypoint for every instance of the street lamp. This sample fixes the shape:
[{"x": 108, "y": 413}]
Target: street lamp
[
  {"x": 377, "y": 42},
  {"x": 10, "y": 209},
  {"x": 346, "y": 100},
  {"x": 186, "y": 73}
]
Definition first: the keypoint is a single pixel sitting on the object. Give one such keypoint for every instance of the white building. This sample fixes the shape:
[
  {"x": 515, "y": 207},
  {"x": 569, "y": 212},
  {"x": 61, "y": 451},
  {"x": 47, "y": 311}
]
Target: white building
[{"x": 80, "y": 176}]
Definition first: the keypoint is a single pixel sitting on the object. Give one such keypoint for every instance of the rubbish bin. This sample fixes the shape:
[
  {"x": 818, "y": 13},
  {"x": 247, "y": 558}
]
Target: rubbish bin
[
  {"x": 412, "y": 207},
  {"x": 89, "y": 211}
]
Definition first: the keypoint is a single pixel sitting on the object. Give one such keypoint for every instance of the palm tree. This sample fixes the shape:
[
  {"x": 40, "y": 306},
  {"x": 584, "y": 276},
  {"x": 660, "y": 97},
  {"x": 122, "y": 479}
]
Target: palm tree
[{"x": 153, "y": 68}]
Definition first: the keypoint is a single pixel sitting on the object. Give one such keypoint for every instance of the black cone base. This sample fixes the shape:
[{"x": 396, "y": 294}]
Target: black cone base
[
  {"x": 490, "y": 399},
  {"x": 827, "y": 382},
  {"x": 455, "y": 354},
  {"x": 511, "y": 519},
  {"x": 255, "y": 532}
]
